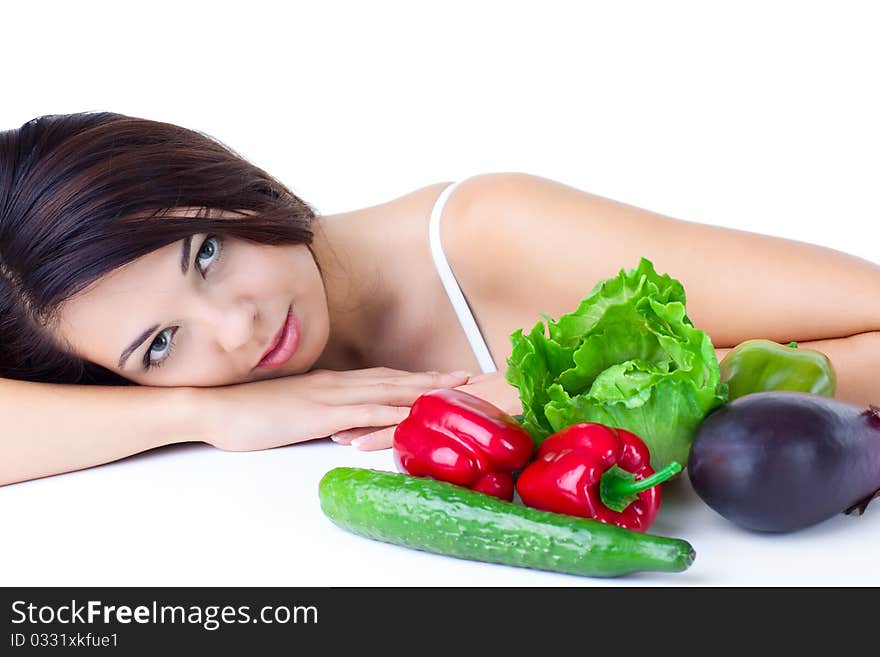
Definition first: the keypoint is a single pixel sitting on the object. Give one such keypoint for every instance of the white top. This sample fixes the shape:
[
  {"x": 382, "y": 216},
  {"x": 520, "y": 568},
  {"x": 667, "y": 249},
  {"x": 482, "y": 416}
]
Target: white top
[{"x": 453, "y": 291}]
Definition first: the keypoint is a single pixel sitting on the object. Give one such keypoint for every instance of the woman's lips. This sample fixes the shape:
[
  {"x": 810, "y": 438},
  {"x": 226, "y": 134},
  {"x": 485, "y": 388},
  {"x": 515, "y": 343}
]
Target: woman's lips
[{"x": 285, "y": 343}]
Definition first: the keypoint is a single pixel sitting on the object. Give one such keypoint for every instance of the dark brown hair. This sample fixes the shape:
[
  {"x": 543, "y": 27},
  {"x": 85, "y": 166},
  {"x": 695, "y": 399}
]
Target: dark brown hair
[{"x": 83, "y": 194}]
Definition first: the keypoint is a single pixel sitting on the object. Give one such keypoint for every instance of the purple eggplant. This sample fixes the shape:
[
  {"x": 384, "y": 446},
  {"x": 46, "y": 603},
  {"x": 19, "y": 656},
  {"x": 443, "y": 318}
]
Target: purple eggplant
[{"x": 780, "y": 461}]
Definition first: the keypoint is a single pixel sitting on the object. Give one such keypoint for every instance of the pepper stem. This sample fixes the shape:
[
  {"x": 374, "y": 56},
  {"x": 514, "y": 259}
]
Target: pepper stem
[{"x": 618, "y": 488}]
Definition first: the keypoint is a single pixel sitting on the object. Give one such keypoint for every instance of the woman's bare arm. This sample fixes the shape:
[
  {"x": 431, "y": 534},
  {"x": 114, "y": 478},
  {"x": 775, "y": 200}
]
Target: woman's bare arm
[
  {"x": 51, "y": 428},
  {"x": 558, "y": 241}
]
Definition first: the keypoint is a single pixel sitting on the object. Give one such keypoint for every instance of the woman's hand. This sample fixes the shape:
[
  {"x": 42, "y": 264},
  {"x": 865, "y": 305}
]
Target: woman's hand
[
  {"x": 275, "y": 412},
  {"x": 492, "y": 387}
]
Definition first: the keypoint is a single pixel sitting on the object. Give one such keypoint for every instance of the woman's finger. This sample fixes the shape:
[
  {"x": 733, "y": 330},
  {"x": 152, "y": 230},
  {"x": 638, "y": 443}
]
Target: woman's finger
[
  {"x": 345, "y": 437},
  {"x": 426, "y": 380},
  {"x": 381, "y": 439},
  {"x": 434, "y": 379},
  {"x": 389, "y": 373},
  {"x": 385, "y": 392},
  {"x": 344, "y": 418}
]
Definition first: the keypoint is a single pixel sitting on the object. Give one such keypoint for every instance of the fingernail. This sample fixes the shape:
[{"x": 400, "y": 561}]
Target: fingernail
[
  {"x": 461, "y": 373},
  {"x": 335, "y": 438},
  {"x": 357, "y": 442}
]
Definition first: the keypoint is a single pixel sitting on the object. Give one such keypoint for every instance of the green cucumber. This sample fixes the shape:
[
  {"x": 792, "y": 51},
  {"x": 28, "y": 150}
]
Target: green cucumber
[{"x": 436, "y": 516}]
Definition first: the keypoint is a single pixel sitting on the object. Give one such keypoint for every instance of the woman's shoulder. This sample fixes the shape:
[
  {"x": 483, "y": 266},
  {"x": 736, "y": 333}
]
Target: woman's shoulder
[
  {"x": 472, "y": 214},
  {"x": 475, "y": 225},
  {"x": 477, "y": 195},
  {"x": 477, "y": 228},
  {"x": 473, "y": 198}
]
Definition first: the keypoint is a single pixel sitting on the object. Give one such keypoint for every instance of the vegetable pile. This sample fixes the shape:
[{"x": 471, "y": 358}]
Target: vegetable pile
[
  {"x": 618, "y": 396},
  {"x": 627, "y": 357}
]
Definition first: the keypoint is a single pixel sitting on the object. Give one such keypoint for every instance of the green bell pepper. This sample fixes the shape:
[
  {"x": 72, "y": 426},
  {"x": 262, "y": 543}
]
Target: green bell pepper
[{"x": 764, "y": 365}]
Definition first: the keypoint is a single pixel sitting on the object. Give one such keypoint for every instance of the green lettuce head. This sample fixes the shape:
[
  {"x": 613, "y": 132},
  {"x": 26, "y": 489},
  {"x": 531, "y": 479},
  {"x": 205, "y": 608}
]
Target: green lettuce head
[{"x": 628, "y": 357}]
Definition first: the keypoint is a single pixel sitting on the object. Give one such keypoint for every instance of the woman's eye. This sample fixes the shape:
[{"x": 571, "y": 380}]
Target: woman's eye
[
  {"x": 160, "y": 348},
  {"x": 208, "y": 253}
]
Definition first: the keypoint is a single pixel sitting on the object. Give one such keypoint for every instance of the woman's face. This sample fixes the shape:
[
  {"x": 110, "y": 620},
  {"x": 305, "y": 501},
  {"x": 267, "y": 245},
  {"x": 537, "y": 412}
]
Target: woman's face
[{"x": 207, "y": 326}]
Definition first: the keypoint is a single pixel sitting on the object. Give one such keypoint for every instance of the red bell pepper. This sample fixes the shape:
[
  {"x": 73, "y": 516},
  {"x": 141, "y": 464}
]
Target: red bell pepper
[
  {"x": 594, "y": 471},
  {"x": 454, "y": 436}
]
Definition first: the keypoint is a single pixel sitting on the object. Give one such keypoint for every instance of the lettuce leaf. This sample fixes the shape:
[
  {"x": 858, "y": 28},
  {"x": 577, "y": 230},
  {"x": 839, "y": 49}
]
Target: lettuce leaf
[{"x": 627, "y": 357}]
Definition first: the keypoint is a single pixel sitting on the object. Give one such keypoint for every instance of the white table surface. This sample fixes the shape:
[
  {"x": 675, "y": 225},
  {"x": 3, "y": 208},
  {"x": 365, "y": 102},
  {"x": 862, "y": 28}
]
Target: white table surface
[{"x": 193, "y": 515}]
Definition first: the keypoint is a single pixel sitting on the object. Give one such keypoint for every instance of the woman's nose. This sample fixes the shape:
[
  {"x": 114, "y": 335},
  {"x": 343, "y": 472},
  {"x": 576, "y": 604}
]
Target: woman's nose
[{"x": 235, "y": 325}]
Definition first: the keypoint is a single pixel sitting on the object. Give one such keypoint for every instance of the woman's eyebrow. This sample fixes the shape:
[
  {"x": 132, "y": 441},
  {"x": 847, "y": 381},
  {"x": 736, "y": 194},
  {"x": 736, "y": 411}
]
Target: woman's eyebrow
[
  {"x": 135, "y": 344},
  {"x": 138, "y": 341},
  {"x": 184, "y": 256}
]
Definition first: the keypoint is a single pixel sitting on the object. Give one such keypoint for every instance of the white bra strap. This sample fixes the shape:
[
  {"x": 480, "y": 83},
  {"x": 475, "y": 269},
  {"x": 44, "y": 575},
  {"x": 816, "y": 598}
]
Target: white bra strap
[{"x": 459, "y": 303}]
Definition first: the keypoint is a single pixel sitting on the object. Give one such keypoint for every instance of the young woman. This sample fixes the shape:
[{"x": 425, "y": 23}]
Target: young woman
[{"x": 139, "y": 252}]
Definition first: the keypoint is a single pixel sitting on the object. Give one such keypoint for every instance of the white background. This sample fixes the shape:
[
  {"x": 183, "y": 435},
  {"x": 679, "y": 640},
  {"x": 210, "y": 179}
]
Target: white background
[{"x": 756, "y": 115}]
